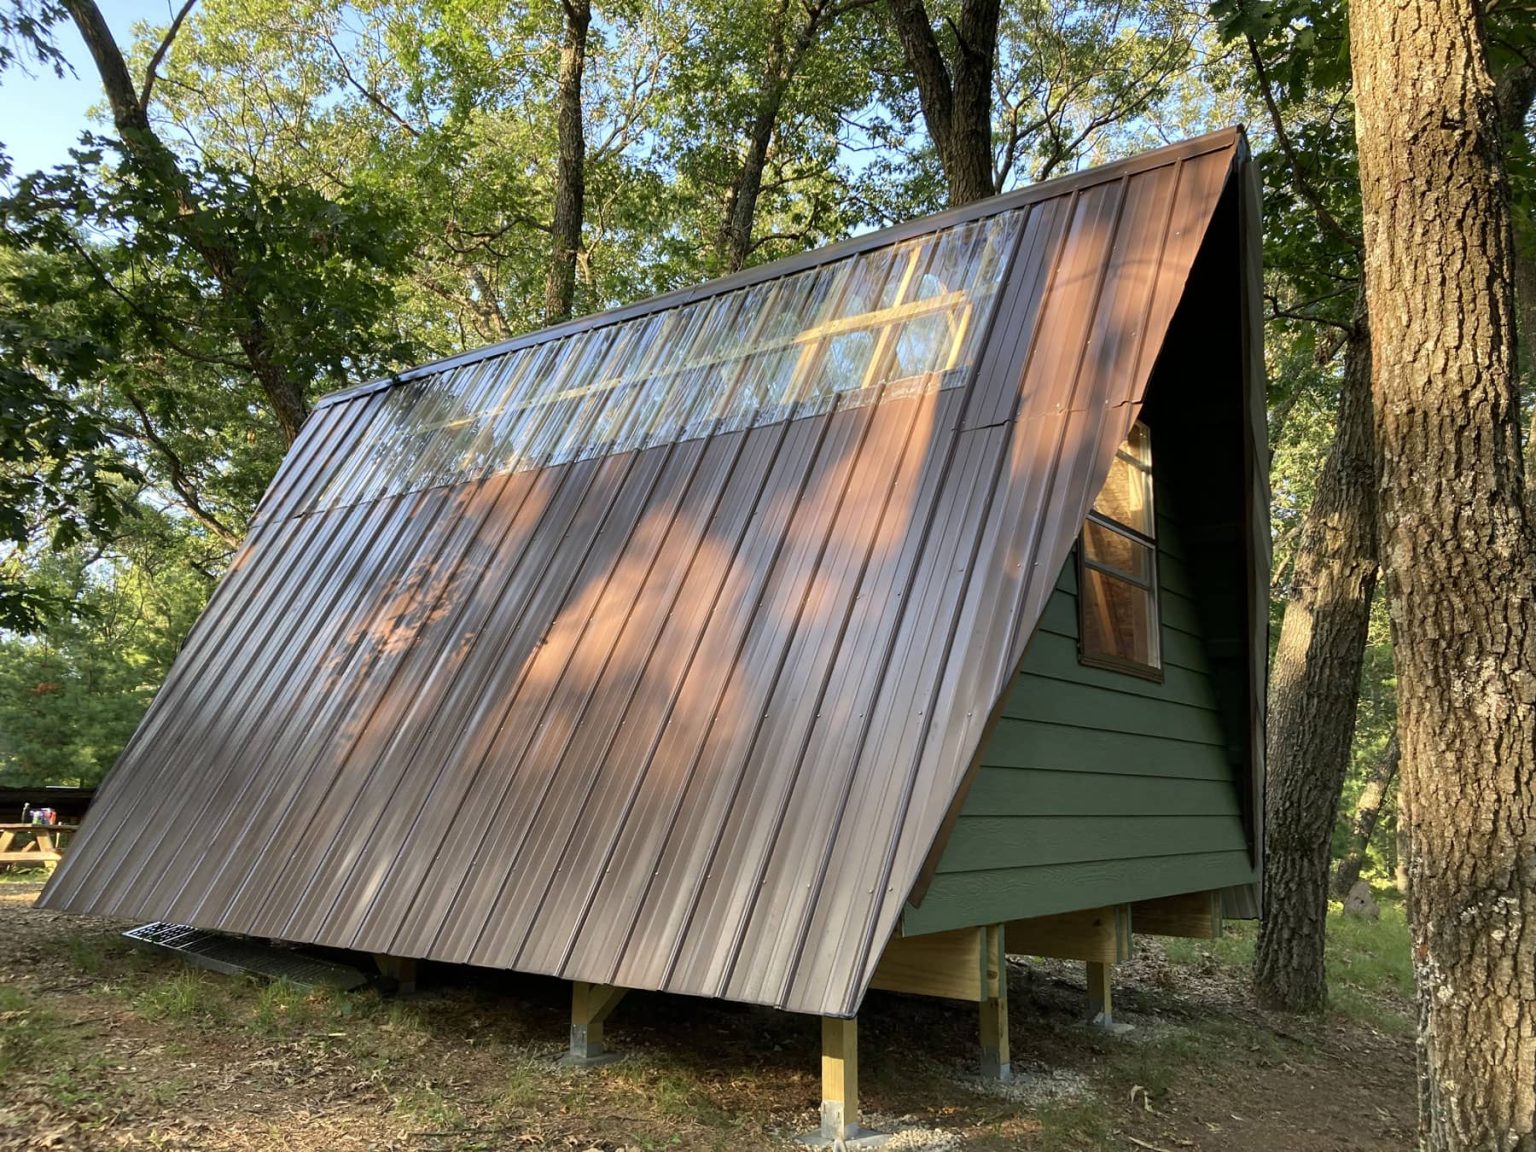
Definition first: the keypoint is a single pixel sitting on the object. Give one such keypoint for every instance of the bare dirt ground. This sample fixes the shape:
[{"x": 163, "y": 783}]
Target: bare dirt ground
[{"x": 103, "y": 1046}]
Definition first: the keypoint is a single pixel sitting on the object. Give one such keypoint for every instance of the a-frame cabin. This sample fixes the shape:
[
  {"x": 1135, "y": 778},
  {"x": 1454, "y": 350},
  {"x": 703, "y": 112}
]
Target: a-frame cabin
[{"x": 842, "y": 623}]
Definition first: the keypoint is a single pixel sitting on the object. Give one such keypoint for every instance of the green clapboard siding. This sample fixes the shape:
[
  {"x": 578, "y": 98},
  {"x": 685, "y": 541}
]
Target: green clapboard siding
[
  {"x": 1096, "y": 787},
  {"x": 995, "y": 896}
]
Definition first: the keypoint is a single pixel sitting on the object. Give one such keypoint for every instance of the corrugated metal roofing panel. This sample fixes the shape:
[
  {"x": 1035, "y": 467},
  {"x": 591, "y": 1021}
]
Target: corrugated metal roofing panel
[{"x": 654, "y": 649}]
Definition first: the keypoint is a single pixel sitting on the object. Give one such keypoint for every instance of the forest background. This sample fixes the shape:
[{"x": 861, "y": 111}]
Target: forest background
[
  {"x": 272, "y": 199},
  {"x": 397, "y": 165}
]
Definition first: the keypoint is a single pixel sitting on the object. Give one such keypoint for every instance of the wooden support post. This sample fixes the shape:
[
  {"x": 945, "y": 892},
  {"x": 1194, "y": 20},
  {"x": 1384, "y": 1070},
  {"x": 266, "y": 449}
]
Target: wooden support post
[
  {"x": 1101, "y": 1003},
  {"x": 839, "y": 1078},
  {"x": 994, "y": 1006},
  {"x": 399, "y": 969},
  {"x": 840, "y": 1090},
  {"x": 1101, "y": 999},
  {"x": 591, "y": 1005}
]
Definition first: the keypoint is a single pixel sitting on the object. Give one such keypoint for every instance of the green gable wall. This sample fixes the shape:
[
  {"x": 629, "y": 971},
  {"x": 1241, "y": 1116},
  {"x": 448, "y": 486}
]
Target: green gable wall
[{"x": 1097, "y": 787}]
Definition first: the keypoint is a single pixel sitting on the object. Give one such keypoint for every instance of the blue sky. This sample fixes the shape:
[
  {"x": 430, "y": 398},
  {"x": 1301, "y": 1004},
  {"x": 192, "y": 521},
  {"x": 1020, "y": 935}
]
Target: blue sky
[{"x": 41, "y": 115}]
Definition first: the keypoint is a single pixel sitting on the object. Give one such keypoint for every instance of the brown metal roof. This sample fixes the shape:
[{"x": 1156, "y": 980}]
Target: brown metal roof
[{"x": 653, "y": 649}]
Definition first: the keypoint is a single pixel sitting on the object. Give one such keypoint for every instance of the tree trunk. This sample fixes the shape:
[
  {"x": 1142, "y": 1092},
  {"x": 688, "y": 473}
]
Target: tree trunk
[
  {"x": 1458, "y": 552},
  {"x": 219, "y": 255},
  {"x": 956, "y": 102},
  {"x": 734, "y": 243},
  {"x": 1313, "y": 693},
  {"x": 1367, "y": 815},
  {"x": 1516, "y": 92},
  {"x": 571, "y": 177}
]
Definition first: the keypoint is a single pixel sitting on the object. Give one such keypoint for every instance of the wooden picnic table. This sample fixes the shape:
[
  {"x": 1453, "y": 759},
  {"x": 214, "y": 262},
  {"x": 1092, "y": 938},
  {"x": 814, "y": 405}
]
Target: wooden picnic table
[{"x": 34, "y": 843}]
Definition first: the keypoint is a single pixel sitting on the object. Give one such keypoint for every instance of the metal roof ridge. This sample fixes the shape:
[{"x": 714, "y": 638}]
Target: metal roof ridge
[{"x": 1230, "y": 137}]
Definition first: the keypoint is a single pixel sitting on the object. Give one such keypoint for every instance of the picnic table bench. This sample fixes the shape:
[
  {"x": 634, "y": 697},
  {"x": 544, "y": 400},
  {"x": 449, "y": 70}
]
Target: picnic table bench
[{"x": 34, "y": 843}]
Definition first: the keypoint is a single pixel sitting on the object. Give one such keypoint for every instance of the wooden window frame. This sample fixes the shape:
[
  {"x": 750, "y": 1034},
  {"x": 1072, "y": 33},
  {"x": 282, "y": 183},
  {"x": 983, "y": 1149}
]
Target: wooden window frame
[{"x": 1129, "y": 667}]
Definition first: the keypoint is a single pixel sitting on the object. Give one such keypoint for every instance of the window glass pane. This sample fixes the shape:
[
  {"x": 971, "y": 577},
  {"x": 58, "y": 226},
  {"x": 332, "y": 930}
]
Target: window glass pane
[
  {"x": 1117, "y": 589},
  {"x": 1118, "y": 551},
  {"x": 1119, "y": 620},
  {"x": 1126, "y": 497}
]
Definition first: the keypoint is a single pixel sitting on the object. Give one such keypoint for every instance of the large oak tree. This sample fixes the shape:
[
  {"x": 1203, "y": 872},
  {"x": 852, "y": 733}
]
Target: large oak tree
[{"x": 1458, "y": 553}]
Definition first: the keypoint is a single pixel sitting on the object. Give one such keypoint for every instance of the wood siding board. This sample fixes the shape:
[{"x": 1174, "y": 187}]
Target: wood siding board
[
  {"x": 1071, "y": 791},
  {"x": 987, "y": 843},
  {"x": 1088, "y": 707},
  {"x": 1046, "y": 744},
  {"x": 956, "y": 900},
  {"x": 1055, "y": 657}
]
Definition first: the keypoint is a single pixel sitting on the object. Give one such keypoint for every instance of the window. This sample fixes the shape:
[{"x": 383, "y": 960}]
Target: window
[{"x": 1117, "y": 567}]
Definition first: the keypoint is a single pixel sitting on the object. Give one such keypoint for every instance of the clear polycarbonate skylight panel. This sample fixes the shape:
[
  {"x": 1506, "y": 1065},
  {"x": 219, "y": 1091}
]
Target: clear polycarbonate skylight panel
[
  {"x": 840, "y": 346},
  {"x": 988, "y": 266},
  {"x": 519, "y": 418},
  {"x": 721, "y": 407},
  {"x": 449, "y": 456},
  {"x": 371, "y": 454},
  {"x": 897, "y": 321},
  {"x": 569, "y": 381}
]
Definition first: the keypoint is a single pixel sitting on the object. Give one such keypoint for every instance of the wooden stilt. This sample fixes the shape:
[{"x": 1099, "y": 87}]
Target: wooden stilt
[
  {"x": 1101, "y": 1003},
  {"x": 840, "y": 1090},
  {"x": 401, "y": 970},
  {"x": 995, "y": 1063},
  {"x": 591, "y": 1005},
  {"x": 839, "y": 1078}
]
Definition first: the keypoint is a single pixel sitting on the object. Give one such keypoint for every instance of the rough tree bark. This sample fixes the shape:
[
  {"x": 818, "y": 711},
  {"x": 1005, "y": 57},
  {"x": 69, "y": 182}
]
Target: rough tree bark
[
  {"x": 1516, "y": 93},
  {"x": 571, "y": 173},
  {"x": 1458, "y": 554},
  {"x": 1368, "y": 811},
  {"x": 956, "y": 102},
  {"x": 1313, "y": 689},
  {"x": 786, "y": 50},
  {"x": 130, "y": 115}
]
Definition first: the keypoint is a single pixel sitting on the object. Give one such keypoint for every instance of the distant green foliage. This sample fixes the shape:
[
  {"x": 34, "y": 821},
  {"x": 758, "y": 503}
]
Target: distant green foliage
[{"x": 72, "y": 694}]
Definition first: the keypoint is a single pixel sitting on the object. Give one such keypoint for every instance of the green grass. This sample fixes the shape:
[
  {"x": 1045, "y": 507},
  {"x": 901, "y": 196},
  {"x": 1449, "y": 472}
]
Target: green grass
[
  {"x": 188, "y": 995},
  {"x": 11, "y": 874},
  {"x": 1368, "y": 962},
  {"x": 1075, "y": 1124},
  {"x": 24, "y": 1029}
]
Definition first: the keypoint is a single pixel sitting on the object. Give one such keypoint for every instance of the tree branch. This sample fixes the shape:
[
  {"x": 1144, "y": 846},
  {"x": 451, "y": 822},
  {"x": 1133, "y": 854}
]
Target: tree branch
[
  {"x": 155, "y": 61},
  {"x": 177, "y": 474},
  {"x": 1302, "y": 185}
]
